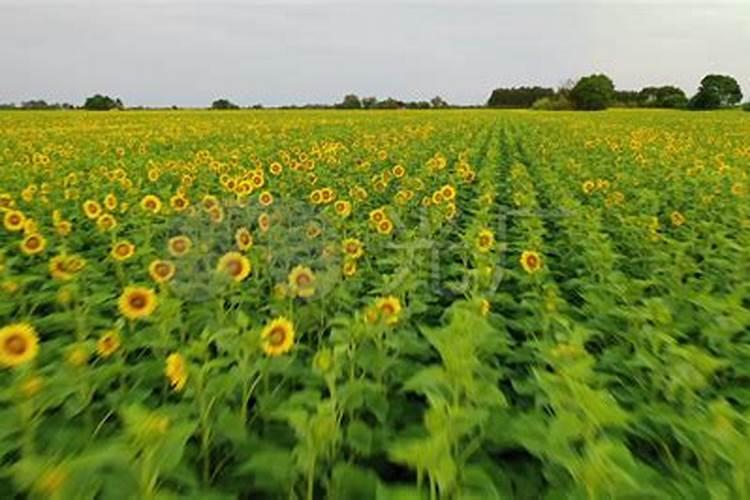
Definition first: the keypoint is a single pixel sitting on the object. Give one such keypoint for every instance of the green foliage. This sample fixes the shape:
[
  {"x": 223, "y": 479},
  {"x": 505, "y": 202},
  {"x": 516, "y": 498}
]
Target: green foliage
[
  {"x": 594, "y": 92},
  {"x": 518, "y": 97},
  {"x": 662, "y": 97},
  {"x": 556, "y": 103},
  {"x": 224, "y": 104},
  {"x": 100, "y": 102},
  {"x": 716, "y": 91}
]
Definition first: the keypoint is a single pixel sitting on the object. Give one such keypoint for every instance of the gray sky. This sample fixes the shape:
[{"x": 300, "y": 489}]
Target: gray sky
[{"x": 167, "y": 52}]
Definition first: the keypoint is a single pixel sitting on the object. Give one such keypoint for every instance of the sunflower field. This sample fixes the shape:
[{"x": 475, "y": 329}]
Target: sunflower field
[{"x": 462, "y": 304}]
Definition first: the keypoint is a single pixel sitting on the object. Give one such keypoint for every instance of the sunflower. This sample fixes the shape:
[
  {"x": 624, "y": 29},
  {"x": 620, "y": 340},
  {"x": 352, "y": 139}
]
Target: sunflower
[
  {"x": 63, "y": 228},
  {"x": 110, "y": 201},
  {"x": 122, "y": 250},
  {"x": 92, "y": 209},
  {"x": 235, "y": 265},
  {"x": 265, "y": 198},
  {"x": 448, "y": 192},
  {"x": 377, "y": 215},
  {"x": 6, "y": 201},
  {"x": 151, "y": 203},
  {"x": 349, "y": 268},
  {"x": 677, "y": 219},
  {"x": 437, "y": 198},
  {"x": 176, "y": 371},
  {"x": 18, "y": 344},
  {"x": 343, "y": 208},
  {"x": 137, "y": 302},
  {"x": 385, "y": 226},
  {"x": 161, "y": 271},
  {"x": 302, "y": 282},
  {"x": 531, "y": 261},
  {"x": 313, "y": 231},
  {"x": 64, "y": 267},
  {"x": 398, "y": 171},
  {"x": 108, "y": 343},
  {"x": 179, "y": 202},
  {"x": 77, "y": 356},
  {"x": 179, "y": 246},
  {"x": 209, "y": 201},
  {"x": 275, "y": 168},
  {"x": 278, "y": 336},
  {"x": 216, "y": 214},
  {"x": 484, "y": 307},
  {"x": 264, "y": 222},
  {"x": 14, "y": 220},
  {"x": 106, "y": 222},
  {"x": 327, "y": 195},
  {"x": 353, "y": 248},
  {"x": 588, "y": 187},
  {"x": 243, "y": 238},
  {"x": 485, "y": 241},
  {"x": 388, "y": 309},
  {"x": 33, "y": 244},
  {"x": 316, "y": 197}
]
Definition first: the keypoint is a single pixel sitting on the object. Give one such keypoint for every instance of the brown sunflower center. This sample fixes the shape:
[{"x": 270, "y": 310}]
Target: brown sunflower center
[
  {"x": 303, "y": 279},
  {"x": 162, "y": 269},
  {"x": 234, "y": 267},
  {"x": 32, "y": 243},
  {"x": 532, "y": 261},
  {"x": 351, "y": 248},
  {"x": 16, "y": 344},
  {"x": 137, "y": 301},
  {"x": 151, "y": 204},
  {"x": 15, "y": 219},
  {"x": 484, "y": 241},
  {"x": 387, "y": 309},
  {"x": 179, "y": 246},
  {"x": 122, "y": 250},
  {"x": 277, "y": 336}
]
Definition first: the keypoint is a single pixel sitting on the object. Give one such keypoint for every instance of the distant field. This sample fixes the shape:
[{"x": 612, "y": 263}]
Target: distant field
[{"x": 298, "y": 304}]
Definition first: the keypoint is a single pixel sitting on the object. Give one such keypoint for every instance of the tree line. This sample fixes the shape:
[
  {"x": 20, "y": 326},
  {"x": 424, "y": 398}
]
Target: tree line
[
  {"x": 597, "y": 92},
  {"x": 589, "y": 93}
]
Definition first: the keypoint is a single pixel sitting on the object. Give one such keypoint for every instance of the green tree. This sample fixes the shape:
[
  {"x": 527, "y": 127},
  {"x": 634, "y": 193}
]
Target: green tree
[
  {"x": 224, "y": 104},
  {"x": 716, "y": 91},
  {"x": 438, "y": 102},
  {"x": 666, "y": 96},
  {"x": 369, "y": 102},
  {"x": 593, "y": 92},
  {"x": 746, "y": 106},
  {"x": 100, "y": 102},
  {"x": 351, "y": 101}
]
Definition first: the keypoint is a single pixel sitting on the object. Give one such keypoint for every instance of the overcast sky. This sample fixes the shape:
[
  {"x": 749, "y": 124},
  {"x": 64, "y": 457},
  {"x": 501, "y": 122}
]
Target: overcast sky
[{"x": 165, "y": 52}]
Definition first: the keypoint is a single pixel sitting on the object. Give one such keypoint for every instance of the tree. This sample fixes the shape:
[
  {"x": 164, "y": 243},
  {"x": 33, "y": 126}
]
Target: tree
[
  {"x": 666, "y": 96},
  {"x": 100, "y": 102},
  {"x": 369, "y": 102},
  {"x": 746, "y": 106},
  {"x": 389, "y": 103},
  {"x": 438, "y": 102},
  {"x": 716, "y": 91},
  {"x": 351, "y": 101},
  {"x": 517, "y": 97},
  {"x": 593, "y": 92},
  {"x": 223, "y": 104}
]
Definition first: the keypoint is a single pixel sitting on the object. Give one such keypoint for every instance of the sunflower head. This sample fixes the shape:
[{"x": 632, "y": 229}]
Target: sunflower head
[
  {"x": 352, "y": 248},
  {"x": 277, "y": 337},
  {"x": 14, "y": 220},
  {"x": 677, "y": 219},
  {"x": 33, "y": 244},
  {"x": 151, "y": 203},
  {"x": 343, "y": 208},
  {"x": 264, "y": 222},
  {"x": 531, "y": 261},
  {"x": 77, "y": 356},
  {"x": 108, "y": 343},
  {"x": 122, "y": 250},
  {"x": 176, "y": 371},
  {"x": 92, "y": 209},
  {"x": 179, "y": 246},
  {"x": 485, "y": 241},
  {"x": 179, "y": 202},
  {"x": 349, "y": 268},
  {"x": 385, "y": 227},
  {"x": 19, "y": 344},
  {"x": 265, "y": 198},
  {"x": 235, "y": 265},
  {"x": 388, "y": 309},
  {"x": 161, "y": 271},
  {"x": 106, "y": 222},
  {"x": 137, "y": 302},
  {"x": 244, "y": 239},
  {"x": 302, "y": 282}
]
